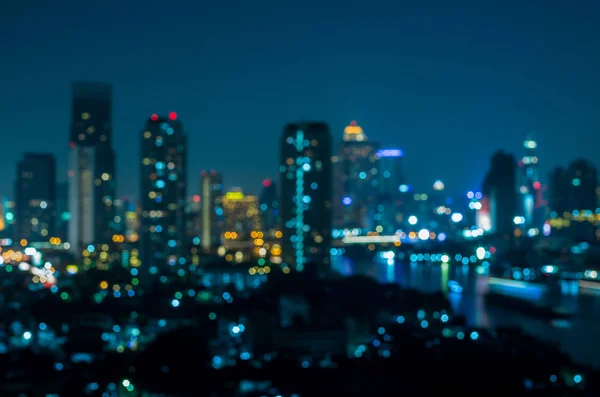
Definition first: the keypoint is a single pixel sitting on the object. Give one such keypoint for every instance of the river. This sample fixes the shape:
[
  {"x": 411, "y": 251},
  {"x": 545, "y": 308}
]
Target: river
[{"x": 579, "y": 337}]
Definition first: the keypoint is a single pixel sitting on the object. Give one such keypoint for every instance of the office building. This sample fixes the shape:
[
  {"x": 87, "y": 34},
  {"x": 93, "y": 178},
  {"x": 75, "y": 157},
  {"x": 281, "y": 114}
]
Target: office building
[
  {"x": 211, "y": 213},
  {"x": 306, "y": 194},
  {"x": 91, "y": 166},
  {"x": 530, "y": 188},
  {"x": 241, "y": 215},
  {"x": 499, "y": 202},
  {"x": 35, "y": 197},
  {"x": 357, "y": 179},
  {"x": 163, "y": 194},
  {"x": 393, "y": 199}
]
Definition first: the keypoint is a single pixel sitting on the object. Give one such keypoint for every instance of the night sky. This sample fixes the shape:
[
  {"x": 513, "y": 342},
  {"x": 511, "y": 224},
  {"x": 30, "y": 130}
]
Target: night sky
[{"x": 447, "y": 84}]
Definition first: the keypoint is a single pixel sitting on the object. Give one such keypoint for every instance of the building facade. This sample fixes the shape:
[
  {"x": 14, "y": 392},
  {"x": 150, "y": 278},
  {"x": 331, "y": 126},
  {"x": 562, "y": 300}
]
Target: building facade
[
  {"x": 35, "y": 197},
  {"x": 241, "y": 214},
  {"x": 163, "y": 194},
  {"x": 211, "y": 213},
  {"x": 91, "y": 166},
  {"x": 357, "y": 179},
  {"x": 306, "y": 194}
]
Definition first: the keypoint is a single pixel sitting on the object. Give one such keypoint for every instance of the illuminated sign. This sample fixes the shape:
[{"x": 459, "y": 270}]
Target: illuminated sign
[
  {"x": 390, "y": 153},
  {"x": 234, "y": 195}
]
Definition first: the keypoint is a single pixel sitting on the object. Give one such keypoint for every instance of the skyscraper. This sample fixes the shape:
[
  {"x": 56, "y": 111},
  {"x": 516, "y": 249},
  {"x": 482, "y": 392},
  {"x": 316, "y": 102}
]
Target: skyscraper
[
  {"x": 582, "y": 178},
  {"x": 212, "y": 214},
  {"x": 391, "y": 203},
  {"x": 500, "y": 194},
  {"x": 306, "y": 193},
  {"x": 530, "y": 183},
  {"x": 35, "y": 197},
  {"x": 91, "y": 166},
  {"x": 163, "y": 193},
  {"x": 357, "y": 182}
]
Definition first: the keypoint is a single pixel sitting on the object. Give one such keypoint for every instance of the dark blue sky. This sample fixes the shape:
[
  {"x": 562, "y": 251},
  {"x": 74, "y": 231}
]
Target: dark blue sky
[{"x": 449, "y": 82}]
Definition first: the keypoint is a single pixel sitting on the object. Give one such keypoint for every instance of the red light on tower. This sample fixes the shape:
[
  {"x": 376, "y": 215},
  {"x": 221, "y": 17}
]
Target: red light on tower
[
  {"x": 173, "y": 116},
  {"x": 154, "y": 117},
  {"x": 196, "y": 198},
  {"x": 267, "y": 182},
  {"x": 72, "y": 145},
  {"x": 353, "y": 123},
  {"x": 537, "y": 185}
]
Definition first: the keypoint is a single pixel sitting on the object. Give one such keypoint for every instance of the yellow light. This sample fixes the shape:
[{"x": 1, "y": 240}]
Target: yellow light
[
  {"x": 72, "y": 269},
  {"x": 103, "y": 285},
  {"x": 286, "y": 270},
  {"x": 234, "y": 195},
  {"x": 353, "y": 130},
  {"x": 278, "y": 234},
  {"x": 23, "y": 242}
]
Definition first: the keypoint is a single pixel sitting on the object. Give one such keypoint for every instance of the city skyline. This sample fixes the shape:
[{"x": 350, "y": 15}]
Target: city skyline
[{"x": 415, "y": 97}]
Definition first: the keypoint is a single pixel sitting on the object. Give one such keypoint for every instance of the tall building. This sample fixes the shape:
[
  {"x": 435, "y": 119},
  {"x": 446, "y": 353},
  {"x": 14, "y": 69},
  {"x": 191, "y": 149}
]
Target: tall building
[
  {"x": 241, "y": 213},
  {"x": 500, "y": 195},
  {"x": 306, "y": 193},
  {"x": 582, "y": 177},
  {"x": 91, "y": 166},
  {"x": 558, "y": 198},
  {"x": 573, "y": 201},
  {"x": 357, "y": 182},
  {"x": 269, "y": 206},
  {"x": 530, "y": 188},
  {"x": 391, "y": 199},
  {"x": 35, "y": 197},
  {"x": 211, "y": 213},
  {"x": 163, "y": 193}
]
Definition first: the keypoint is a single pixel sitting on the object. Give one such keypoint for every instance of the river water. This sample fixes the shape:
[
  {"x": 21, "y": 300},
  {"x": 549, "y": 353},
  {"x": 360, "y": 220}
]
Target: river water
[{"x": 579, "y": 337}]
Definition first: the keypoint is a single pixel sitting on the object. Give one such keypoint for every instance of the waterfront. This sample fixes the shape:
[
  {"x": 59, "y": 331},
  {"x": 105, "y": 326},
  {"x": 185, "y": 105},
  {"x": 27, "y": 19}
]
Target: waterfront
[{"x": 578, "y": 337}]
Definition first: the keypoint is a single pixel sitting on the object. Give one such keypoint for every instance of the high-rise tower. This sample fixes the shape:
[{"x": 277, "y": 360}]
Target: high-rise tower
[
  {"x": 163, "y": 193},
  {"x": 357, "y": 182},
  {"x": 35, "y": 197},
  {"x": 530, "y": 188},
  {"x": 211, "y": 213},
  {"x": 306, "y": 193},
  {"x": 91, "y": 166}
]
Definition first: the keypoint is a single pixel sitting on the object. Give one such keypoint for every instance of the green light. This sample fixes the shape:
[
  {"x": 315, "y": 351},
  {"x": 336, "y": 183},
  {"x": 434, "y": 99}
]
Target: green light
[
  {"x": 135, "y": 281},
  {"x": 178, "y": 295},
  {"x": 64, "y": 296},
  {"x": 8, "y": 268},
  {"x": 261, "y": 261}
]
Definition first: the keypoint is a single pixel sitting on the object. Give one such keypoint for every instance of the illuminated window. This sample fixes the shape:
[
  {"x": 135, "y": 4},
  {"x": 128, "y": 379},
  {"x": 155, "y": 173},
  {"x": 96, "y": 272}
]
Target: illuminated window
[
  {"x": 81, "y": 137},
  {"x": 90, "y": 129},
  {"x": 85, "y": 116},
  {"x": 147, "y": 134},
  {"x": 103, "y": 138}
]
